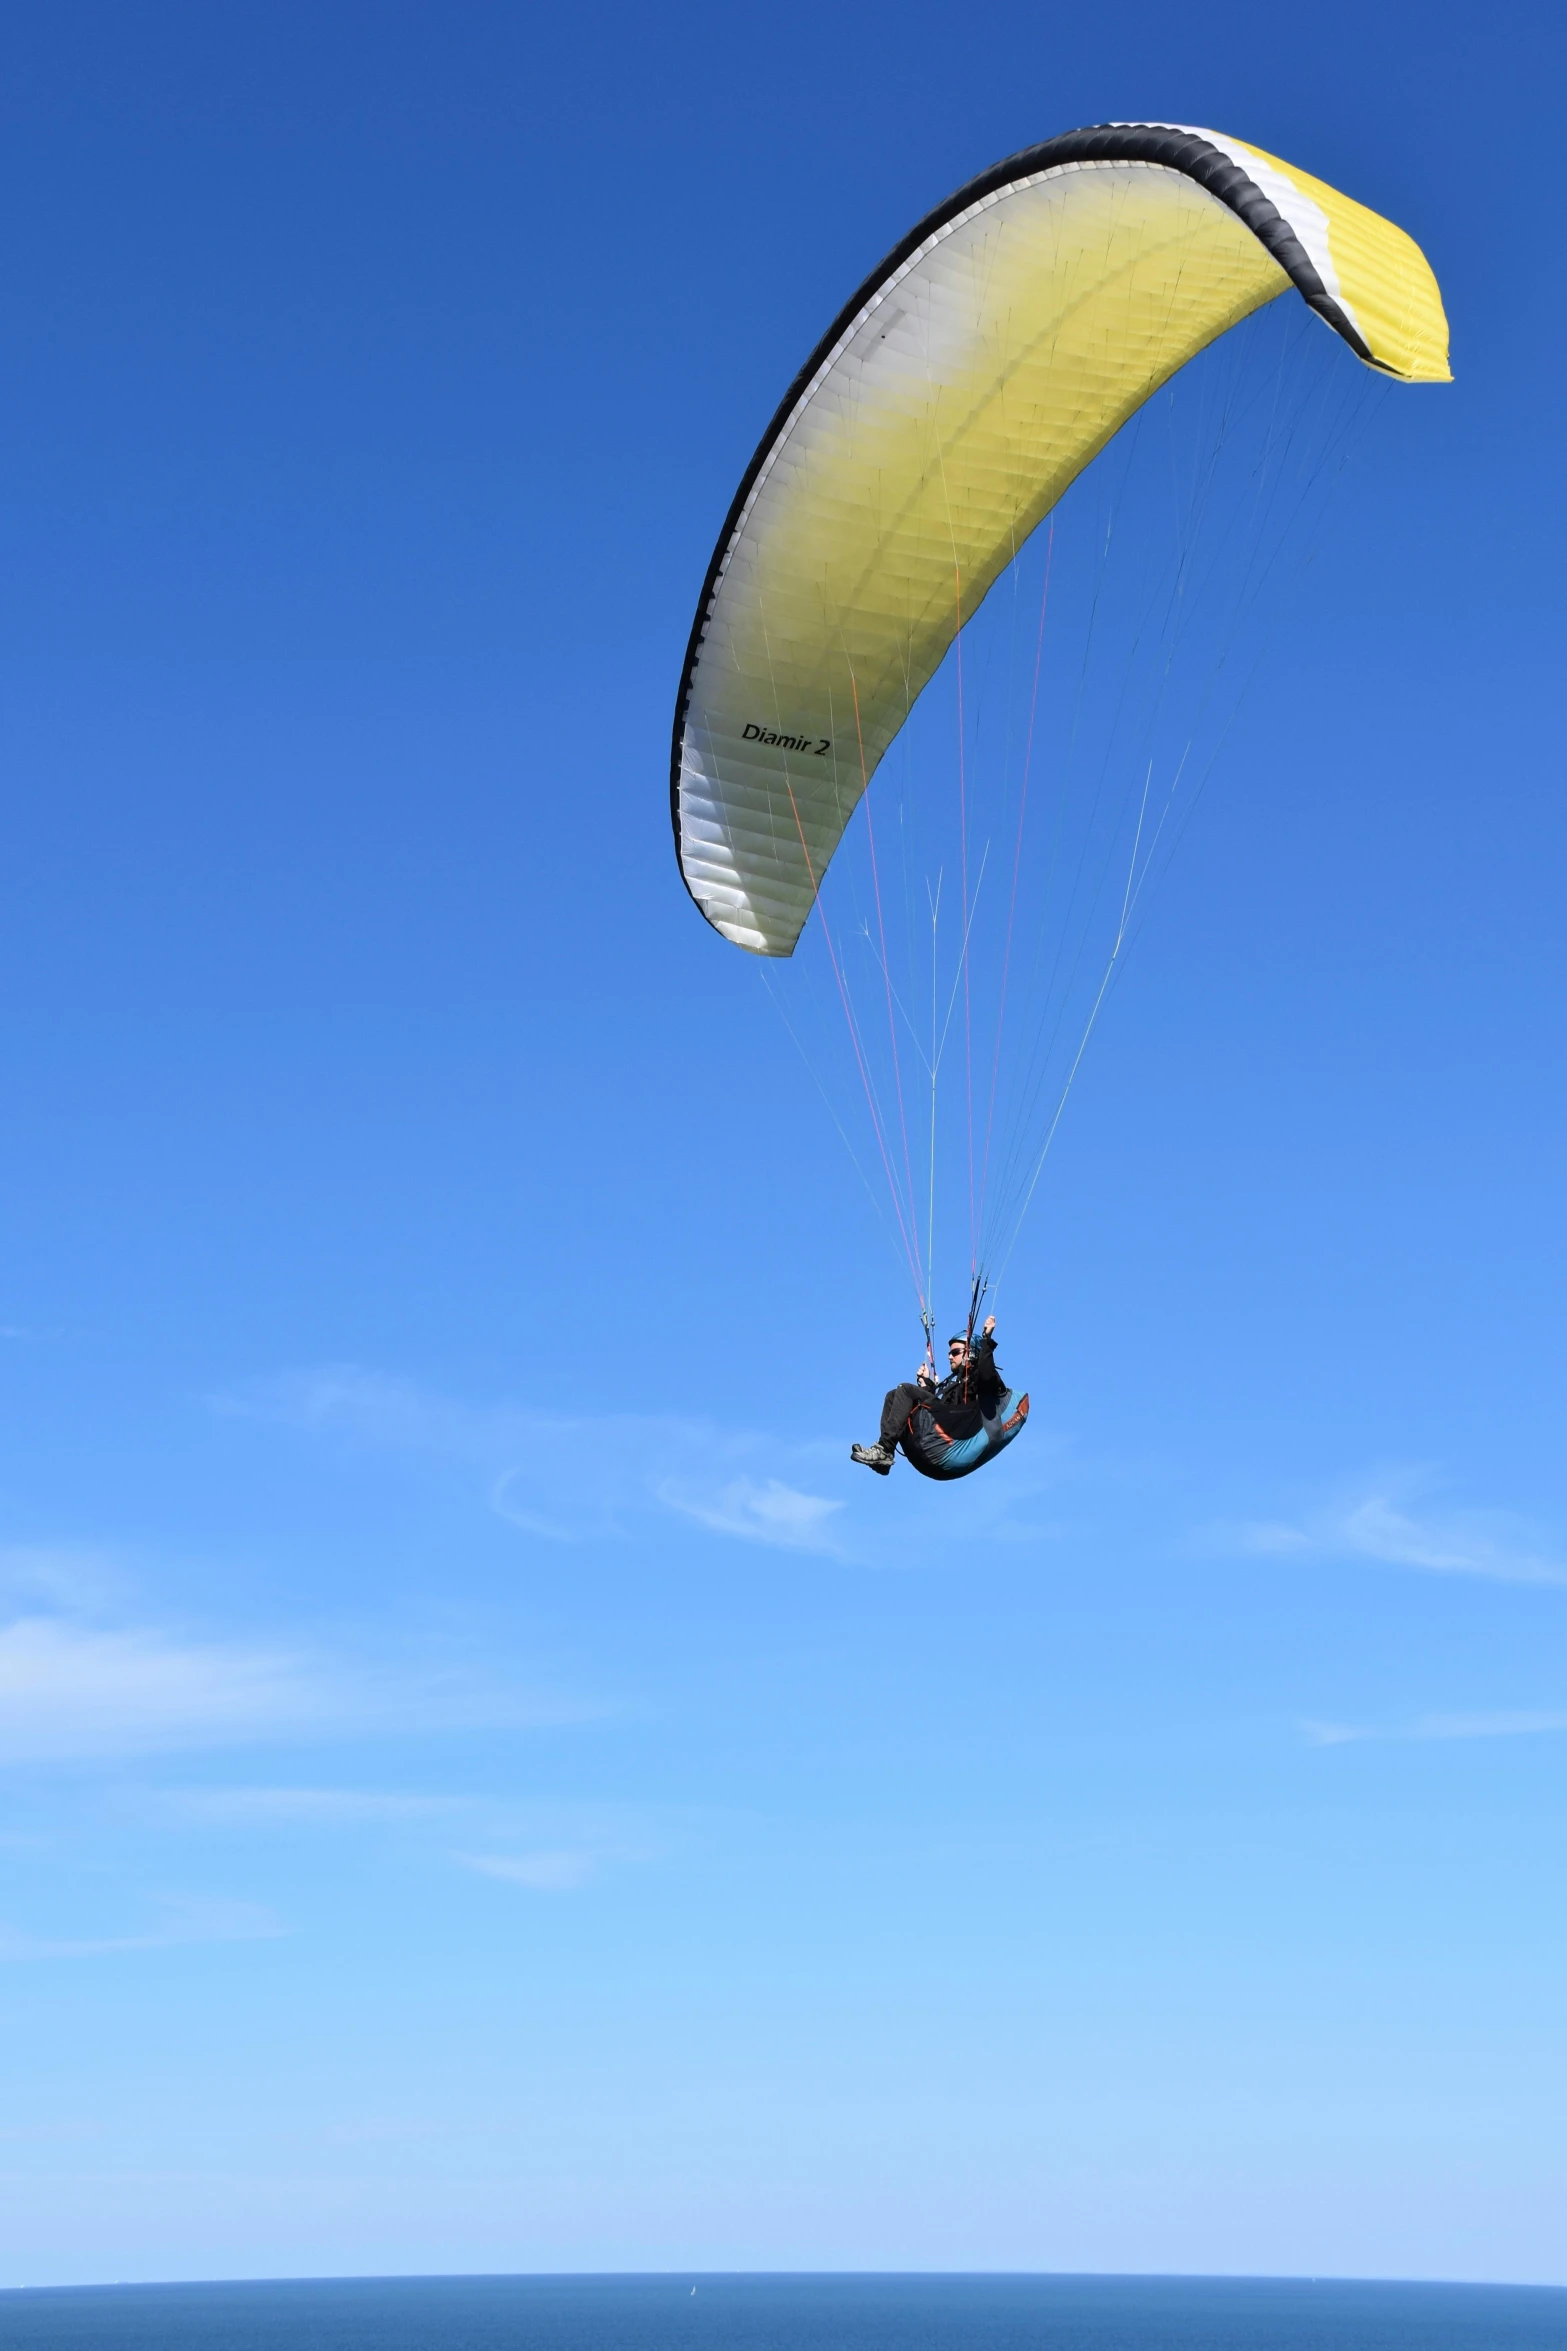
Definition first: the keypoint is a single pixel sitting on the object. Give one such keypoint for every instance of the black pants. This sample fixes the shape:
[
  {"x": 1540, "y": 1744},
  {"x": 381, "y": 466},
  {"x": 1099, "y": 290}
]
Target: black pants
[{"x": 895, "y": 1412}]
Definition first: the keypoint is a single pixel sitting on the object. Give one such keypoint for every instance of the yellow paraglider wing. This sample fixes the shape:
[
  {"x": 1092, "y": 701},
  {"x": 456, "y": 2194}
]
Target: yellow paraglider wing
[{"x": 957, "y": 396}]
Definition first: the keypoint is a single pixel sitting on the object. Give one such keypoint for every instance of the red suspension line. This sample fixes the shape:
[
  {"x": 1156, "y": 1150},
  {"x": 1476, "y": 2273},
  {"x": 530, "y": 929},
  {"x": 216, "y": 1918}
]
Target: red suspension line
[
  {"x": 1017, "y": 865},
  {"x": 968, "y": 1015},
  {"x": 854, "y": 1039},
  {"x": 886, "y": 972}
]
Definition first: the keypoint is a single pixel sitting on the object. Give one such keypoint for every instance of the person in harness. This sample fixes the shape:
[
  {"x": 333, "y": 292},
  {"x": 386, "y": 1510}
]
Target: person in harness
[{"x": 947, "y": 1428}]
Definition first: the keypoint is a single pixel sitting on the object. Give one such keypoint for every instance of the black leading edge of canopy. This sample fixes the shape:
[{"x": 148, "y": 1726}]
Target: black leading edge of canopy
[{"x": 1183, "y": 151}]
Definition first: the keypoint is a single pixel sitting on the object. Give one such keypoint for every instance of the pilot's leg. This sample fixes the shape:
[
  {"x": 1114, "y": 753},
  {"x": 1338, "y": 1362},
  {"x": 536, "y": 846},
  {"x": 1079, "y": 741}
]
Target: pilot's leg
[
  {"x": 894, "y": 1420},
  {"x": 895, "y": 1412}
]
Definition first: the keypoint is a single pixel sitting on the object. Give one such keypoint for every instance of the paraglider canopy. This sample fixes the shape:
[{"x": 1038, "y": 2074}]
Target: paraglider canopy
[{"x": 954, "y": 399}]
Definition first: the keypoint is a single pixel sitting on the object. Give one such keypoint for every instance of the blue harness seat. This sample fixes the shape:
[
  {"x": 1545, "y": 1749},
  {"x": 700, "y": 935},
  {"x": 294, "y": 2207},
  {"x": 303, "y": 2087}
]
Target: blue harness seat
[{"x": 935, "y": 1456}]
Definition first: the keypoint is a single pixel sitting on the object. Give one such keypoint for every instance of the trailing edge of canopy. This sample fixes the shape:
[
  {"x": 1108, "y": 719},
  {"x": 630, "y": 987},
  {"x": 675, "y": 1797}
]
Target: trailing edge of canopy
[{"x": 1362, "y": 275}]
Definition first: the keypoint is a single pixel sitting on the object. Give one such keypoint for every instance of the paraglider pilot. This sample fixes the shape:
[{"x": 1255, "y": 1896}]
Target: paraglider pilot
[{"x": 968, "y": 1395}]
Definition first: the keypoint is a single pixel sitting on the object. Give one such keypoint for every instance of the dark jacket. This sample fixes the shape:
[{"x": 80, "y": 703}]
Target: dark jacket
[{"x": 964, "y": 1398}]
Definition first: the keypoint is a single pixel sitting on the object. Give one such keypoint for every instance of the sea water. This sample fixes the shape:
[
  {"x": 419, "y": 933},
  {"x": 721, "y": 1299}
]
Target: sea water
[{"x": 793, "y": 2313}]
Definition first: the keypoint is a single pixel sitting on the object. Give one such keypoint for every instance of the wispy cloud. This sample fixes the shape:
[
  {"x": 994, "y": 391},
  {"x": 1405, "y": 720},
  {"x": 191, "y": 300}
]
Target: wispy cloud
[
  {"x": 1388, "y": 1521},
  {"x": 558, "y": 1847},
  {"x": 65, "y": 1575},
  {"x": 72, "y": 1690},
  {"x": 74, "y": 1686},
  {"x": 1273, "y": 1537},
  {"x": 545, "y": 1845},
  {"x": 564, "y": 1478},
  {"x": 376, "y": 1409},
  {"x": 1520, "y": 1723},
  {"x": 305, "y": 1807},
  {"x": 561, "y": 1872},
  {"x": 1477, "y": 1543},
  {"x": 768, "y": 1513},
  {"x": 178, "y": 1922}
]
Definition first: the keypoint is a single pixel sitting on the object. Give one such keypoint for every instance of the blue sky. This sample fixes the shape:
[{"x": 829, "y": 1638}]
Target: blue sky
[{"x": 487, "y": 1784}]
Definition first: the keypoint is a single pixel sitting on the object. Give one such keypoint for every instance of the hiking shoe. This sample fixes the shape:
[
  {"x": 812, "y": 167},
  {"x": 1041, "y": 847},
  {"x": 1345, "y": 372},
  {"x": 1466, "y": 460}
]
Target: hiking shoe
[{"x": 878, "y": 1457}]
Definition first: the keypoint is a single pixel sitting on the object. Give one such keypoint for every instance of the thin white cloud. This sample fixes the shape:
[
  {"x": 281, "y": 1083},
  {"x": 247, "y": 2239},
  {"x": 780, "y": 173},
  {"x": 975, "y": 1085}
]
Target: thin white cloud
[
  {"x": 1272, "y": 1536},
  {"x": 568, "y": 1501},
  {"x": 293, "y": 1807},
  {"x": 558, "y": 1872},
  {"x": 1462, "y": 1543},
  {"x": 342, "y": 1396},
  {"x": 372, "y": 1408},
  {"x": 1388, "y": 1522},
  {"x": 66, "y": 1575},
  {"x": 1520, "y": 1723},
  {"x": 565, "y": 1479},
  {"x": 547, "y": 1845},
  {"x": 71, "y": 1690},
  {"x": 555, "y": 1846},
  {"x": 767, "y": 1513},
  {"x": 180, "y": 1922}
]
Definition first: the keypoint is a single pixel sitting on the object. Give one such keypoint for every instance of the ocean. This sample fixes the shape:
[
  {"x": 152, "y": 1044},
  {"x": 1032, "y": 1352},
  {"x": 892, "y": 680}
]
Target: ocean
[{"x": 786, "y": 2313}]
